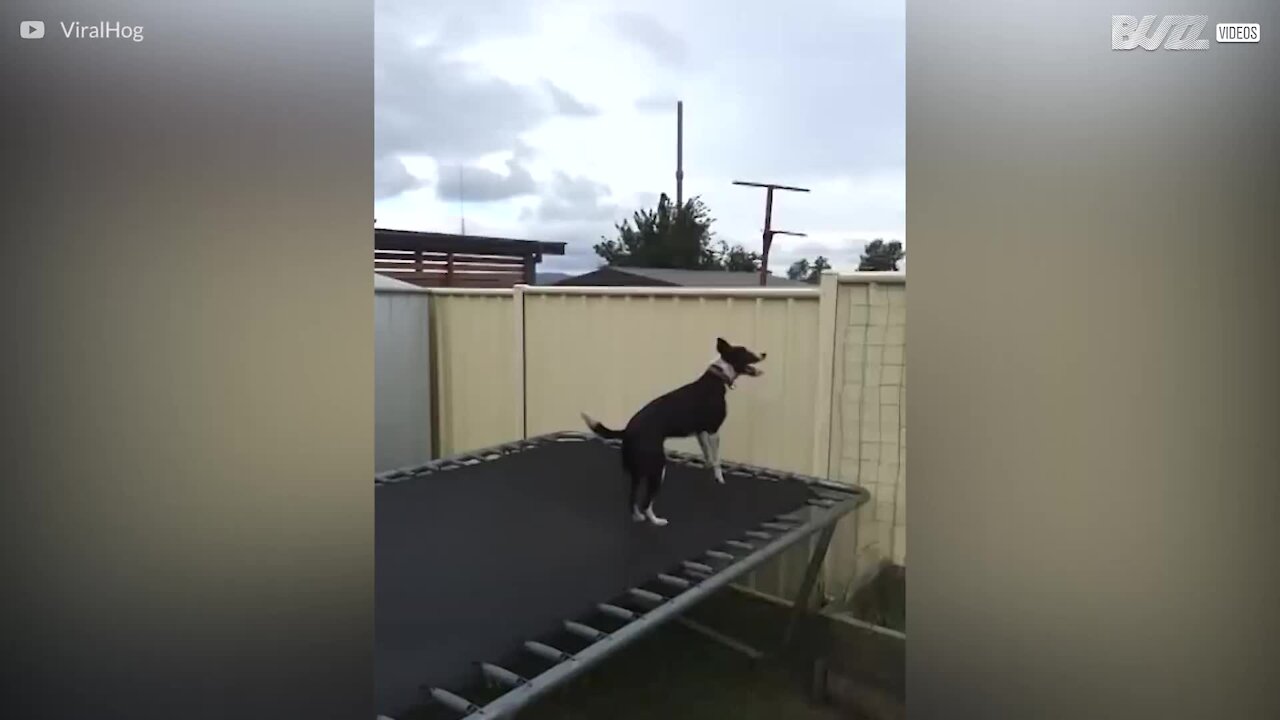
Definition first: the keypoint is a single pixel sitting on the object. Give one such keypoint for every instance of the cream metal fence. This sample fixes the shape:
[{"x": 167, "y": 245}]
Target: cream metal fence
[
  {"x": 475, "y": 362},
  {"x": 607, "y": 351},
  {"x": 862, "y": 436}
]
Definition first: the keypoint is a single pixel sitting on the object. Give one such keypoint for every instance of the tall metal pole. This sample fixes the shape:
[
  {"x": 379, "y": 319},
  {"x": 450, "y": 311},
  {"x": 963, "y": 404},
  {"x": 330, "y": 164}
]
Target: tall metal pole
[
  {"x": 462, "y": 201},
  {"x": 769, "y": 232},
  {"x": 679, "y": 154}
]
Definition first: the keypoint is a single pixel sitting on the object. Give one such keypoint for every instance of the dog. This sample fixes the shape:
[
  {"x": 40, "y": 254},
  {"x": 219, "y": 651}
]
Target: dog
[{"x": 697, "y": 409}]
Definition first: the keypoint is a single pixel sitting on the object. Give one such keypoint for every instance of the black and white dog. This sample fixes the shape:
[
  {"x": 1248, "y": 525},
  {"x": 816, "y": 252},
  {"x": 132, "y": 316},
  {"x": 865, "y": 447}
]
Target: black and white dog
[{"x": 696, "y": 409}]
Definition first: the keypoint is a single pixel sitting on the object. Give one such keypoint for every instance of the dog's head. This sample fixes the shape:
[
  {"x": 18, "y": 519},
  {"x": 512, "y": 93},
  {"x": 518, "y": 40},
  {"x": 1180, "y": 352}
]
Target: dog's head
[{"x": 739, "y": 359}]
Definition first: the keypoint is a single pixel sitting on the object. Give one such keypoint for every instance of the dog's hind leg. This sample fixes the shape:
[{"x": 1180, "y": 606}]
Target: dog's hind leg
[
  {"x": 655, "y": 484},
  {"x": 636, "y": 513}
]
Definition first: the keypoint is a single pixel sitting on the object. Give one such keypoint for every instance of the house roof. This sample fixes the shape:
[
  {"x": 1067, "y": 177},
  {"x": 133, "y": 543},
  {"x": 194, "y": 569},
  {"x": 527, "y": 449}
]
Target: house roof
[
  {"x": 686, "y": 278},
  {"x": 551, "y": 278},
  {"x": 387, "y": 239}
]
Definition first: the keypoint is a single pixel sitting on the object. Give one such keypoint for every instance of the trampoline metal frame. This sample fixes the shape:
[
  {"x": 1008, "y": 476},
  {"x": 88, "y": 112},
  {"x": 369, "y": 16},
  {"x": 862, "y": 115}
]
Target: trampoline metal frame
[{"x": 831, "y": 502}]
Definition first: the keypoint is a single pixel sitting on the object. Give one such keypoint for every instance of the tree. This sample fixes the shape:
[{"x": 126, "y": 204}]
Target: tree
[
  {"x": 880, "y": 256},
  {"x": 737, "y": 259},
  {"x": 810, "y": 272},
  {"x": 664, "y": 237},
  {"x": 799, "y": 269},
  {"x": 668, "y": 236}
]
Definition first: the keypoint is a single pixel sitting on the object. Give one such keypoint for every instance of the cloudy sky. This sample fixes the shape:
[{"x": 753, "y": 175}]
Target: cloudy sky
[{"x": 554, "y": 119}]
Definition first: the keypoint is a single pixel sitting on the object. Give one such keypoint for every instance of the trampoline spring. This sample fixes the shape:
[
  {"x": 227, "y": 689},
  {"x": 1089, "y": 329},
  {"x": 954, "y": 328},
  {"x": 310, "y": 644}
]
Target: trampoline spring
[
  {"x": 740, "y": 545},
  {"x": 501, "y": 675},
  {"x": 779, "y": 527},
  {"x": 584, "y": 631},
  {"x": 546, "y": 652},
  {"x": 673, "y": 580},
  {"x": 617, "y": 612},
  {"x": 720, "y": 555},
  {"x": 758, "y": 534},
  {"x": 646, "y": 595},
  {"x": 818, "y": 502},
  {"x": 453, "y": 702},
  {"x": 697, "y": 567}
]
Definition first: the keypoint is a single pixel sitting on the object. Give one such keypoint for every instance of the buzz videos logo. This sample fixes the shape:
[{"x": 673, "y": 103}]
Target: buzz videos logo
[{"x": 1175, "y": 32}]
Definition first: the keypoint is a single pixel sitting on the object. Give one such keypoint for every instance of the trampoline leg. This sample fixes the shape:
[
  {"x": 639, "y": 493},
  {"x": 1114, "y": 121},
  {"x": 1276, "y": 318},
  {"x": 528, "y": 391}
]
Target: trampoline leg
[
  {"x": 719, "y": 637},
  {"x": 800, "y": 606}
]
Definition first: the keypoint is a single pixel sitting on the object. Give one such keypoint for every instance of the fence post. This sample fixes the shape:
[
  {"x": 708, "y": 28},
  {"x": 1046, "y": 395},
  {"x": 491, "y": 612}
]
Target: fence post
[
  {"x": 829, "y": 294},
  {"x": 522, "y": 396}
]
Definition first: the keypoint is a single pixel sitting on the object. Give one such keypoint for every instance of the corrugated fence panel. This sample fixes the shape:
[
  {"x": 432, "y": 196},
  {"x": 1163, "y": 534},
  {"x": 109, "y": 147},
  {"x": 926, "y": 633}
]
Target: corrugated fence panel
[
  {"x": 402, "y": 380},
  {"x": 609, "y": 354},
  {"x": 475, "y": 356},
  {"x": 868, "y": 427}
]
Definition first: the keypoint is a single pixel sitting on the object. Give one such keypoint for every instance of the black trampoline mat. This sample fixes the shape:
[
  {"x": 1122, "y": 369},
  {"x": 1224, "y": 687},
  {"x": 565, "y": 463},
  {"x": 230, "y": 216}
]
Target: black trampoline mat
[{"x": 473, "y": 561}]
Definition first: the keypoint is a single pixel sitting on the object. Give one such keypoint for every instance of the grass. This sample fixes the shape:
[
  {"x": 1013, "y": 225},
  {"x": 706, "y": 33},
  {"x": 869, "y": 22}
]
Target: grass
[{"x": 883, "y": 601}]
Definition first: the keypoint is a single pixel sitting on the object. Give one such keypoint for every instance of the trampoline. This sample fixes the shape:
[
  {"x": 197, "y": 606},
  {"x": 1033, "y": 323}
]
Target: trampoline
[{"x": 503, "y": 573}]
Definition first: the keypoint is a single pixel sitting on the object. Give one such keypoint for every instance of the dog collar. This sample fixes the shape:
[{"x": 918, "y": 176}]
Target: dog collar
[{"x": 719, "y": 372}]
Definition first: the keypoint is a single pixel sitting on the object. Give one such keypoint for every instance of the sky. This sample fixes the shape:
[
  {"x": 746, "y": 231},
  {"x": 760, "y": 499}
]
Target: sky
[{"x": 555, "y": 119}]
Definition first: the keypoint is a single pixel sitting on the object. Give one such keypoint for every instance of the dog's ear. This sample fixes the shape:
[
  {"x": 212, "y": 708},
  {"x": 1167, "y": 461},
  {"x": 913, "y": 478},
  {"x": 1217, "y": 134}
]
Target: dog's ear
[{"x": 722, "y": 347}]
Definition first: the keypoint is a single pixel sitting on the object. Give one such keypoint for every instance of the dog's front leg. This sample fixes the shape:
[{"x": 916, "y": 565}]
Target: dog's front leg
[
  {"x": 713, "y": 441},
  {"x": 704, "y": 442}
]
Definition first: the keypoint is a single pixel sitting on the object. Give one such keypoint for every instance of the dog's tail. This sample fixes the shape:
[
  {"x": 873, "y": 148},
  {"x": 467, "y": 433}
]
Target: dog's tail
[{"x": 599, "y": 429}]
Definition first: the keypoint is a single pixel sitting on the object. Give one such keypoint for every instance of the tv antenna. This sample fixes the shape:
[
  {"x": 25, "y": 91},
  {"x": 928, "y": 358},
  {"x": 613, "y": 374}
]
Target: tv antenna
[
  {"x": 769, "y": 232},
  {"x": 679, "y": 154},
  {"x": 462, "y": 203}
]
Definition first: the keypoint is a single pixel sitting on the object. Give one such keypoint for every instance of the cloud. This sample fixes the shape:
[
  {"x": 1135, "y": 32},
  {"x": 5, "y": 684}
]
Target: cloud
[
  {"x": 579, "y": 254},
  {"x": 657, "y": 103},
  {"x": 566, "y": 104},
  {"x": 577, "y": 211},
  {"x": 649, "y": 33},
  {"x": 453, "y": 23},
  {"x": 573, "y": 199},
  {"x": 476, "y": 184},
  {"x": 426, "y": 104},
  {"x": 391, "y": 178},
  {"x": 522, "y": 152},
  {"x": 826, "y": 98}
]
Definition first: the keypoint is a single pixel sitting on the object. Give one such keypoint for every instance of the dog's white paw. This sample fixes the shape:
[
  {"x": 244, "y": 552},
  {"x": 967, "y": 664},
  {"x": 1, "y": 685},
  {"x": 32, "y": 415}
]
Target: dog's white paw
[
  {"x": 654, "y": 518},
  {"x": 637, "y": 515},
  {"x": 719, "y": 476}
]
